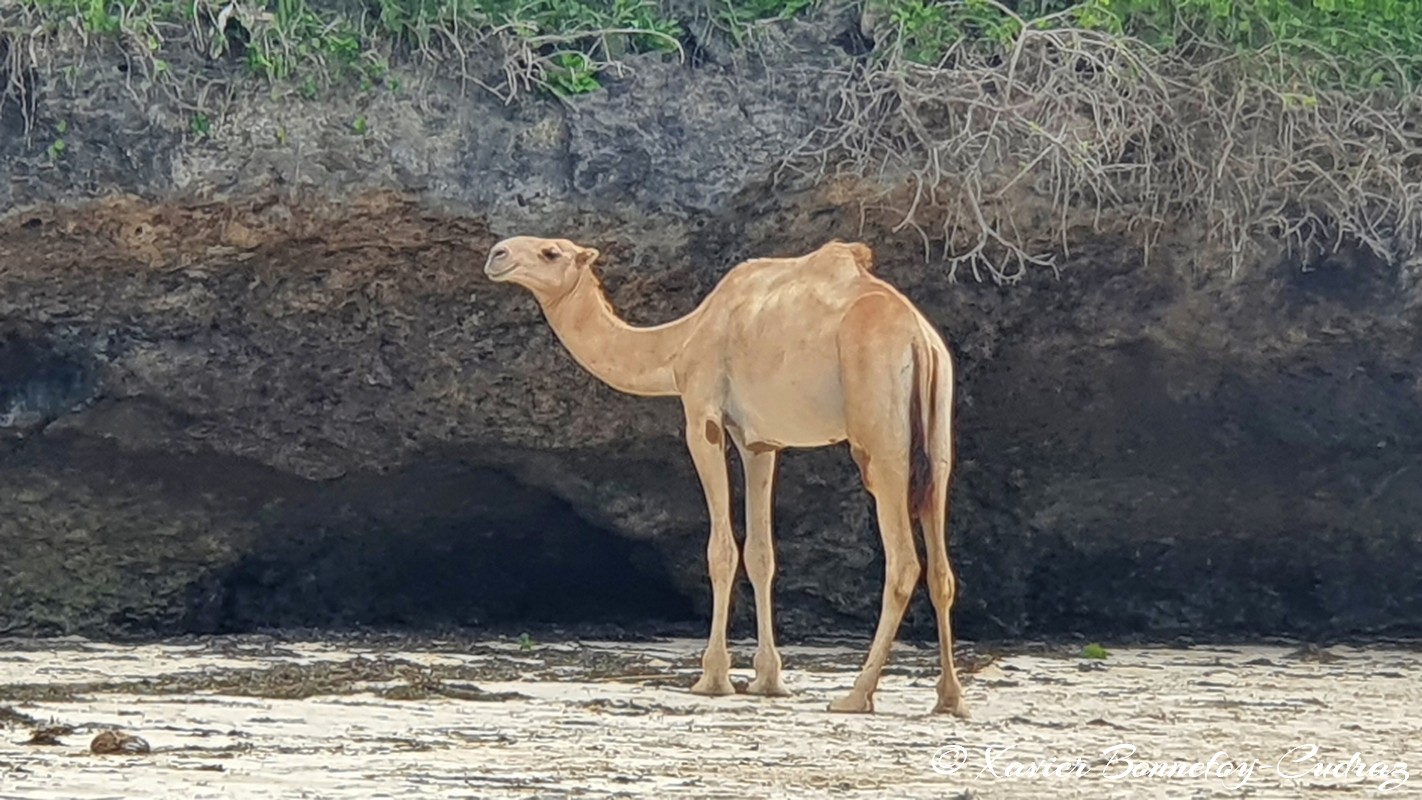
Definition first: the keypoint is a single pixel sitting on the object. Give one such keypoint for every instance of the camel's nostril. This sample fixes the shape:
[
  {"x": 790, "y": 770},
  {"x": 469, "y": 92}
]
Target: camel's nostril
[{"x": 500, "y": 252}]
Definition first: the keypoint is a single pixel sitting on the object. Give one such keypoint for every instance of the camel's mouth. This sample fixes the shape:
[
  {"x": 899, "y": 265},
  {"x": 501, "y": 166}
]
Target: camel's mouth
[{"x": 497, "y": 274}]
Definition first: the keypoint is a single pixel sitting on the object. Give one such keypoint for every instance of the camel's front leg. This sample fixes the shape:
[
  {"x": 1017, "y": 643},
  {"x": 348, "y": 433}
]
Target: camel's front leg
[
  {"x": 760, "y": 567},
  {"x": 705, "y": 439}
]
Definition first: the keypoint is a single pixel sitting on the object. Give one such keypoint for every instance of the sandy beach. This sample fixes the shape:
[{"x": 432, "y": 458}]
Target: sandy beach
[{"x": 259, "y": 717}]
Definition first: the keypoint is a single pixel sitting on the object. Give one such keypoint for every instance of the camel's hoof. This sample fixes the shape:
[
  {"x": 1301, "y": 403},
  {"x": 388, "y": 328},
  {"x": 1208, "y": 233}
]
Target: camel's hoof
[
  {"x": 955, "y": 707},
  {"x": 767, "y": 688},
  {"x": 717, "y": 687},
  {"x": 852, "y": 704}
]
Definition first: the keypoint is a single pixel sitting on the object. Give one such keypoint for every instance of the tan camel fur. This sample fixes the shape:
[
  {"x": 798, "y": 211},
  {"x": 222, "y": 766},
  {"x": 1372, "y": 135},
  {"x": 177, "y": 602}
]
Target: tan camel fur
[{"x": 783, "y": 352}]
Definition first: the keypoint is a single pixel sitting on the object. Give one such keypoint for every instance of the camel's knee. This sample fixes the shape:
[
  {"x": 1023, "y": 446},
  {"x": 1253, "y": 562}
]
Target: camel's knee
[
  {"x": 759, "y": 558},
  {"x": 942, "y": 586},
  {"x": 721, "y": 555},
  {"x": 942, "y": 593},
  {"x": 901, "y": 575}
]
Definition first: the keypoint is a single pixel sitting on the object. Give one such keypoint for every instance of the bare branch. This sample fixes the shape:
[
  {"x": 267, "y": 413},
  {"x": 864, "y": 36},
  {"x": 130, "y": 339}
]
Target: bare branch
[{"x": 1093, "y": 122}]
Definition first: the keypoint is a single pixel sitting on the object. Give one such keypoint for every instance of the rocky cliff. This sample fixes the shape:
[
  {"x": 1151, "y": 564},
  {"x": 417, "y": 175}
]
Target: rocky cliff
[{"x": 251, "y": 375}]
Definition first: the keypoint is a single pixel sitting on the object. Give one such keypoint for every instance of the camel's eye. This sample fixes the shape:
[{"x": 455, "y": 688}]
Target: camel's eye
[{"x": 551, "y": 253}]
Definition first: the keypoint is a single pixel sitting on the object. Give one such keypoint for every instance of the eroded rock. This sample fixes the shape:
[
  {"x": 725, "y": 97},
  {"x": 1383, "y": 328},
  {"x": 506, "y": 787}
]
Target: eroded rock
[{"x": 263, "y": 382}]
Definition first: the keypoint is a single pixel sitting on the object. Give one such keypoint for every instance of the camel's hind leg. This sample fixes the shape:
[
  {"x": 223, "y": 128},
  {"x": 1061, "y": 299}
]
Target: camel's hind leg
[
  {"x": 877, "y": 381},
  {"x": 941, "y": 587}
]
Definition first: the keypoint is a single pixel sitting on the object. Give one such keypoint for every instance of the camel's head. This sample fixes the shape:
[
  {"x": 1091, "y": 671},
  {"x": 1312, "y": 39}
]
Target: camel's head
[{"x": 547, "y": 267}]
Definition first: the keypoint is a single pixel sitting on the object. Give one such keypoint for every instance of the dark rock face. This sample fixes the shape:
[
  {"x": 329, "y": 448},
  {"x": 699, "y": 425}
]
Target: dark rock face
[
  {"x": 38, "y": 382},
  {"x": 263, "y": 382}
]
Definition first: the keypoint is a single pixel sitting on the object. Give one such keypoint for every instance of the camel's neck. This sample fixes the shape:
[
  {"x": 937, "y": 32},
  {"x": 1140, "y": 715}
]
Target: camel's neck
[{"x": 632, "y": 360}]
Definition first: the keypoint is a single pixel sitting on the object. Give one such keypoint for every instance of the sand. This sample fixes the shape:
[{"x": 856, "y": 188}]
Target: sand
[{"x": 258, "y": 717}]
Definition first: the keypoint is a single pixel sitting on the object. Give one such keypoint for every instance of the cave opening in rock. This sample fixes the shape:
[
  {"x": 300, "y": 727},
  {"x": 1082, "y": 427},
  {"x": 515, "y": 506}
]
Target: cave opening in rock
[{"x": 440, "y": 544}]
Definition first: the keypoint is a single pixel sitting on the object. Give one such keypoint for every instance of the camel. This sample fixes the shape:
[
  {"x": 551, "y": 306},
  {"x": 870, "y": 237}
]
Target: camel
[{"x": 799, "y": 352}]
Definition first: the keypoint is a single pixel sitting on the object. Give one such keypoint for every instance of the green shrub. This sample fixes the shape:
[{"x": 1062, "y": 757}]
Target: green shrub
[
  {"x": 739, "y": 17},
  {"x": 1366, "y": 43},
  {"x": 310, "y": 43},
  {"x": 1330, "y": 42}
]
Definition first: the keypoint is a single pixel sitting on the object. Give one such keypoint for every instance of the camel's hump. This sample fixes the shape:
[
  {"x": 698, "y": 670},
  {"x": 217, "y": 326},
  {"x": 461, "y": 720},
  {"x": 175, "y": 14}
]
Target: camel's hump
[
  {"x": 858, "y": 251},
  {"x": 832, "y": 261}
]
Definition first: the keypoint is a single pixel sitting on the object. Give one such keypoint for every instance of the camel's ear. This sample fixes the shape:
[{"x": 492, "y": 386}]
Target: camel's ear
[{"x": 586, "y": 256}]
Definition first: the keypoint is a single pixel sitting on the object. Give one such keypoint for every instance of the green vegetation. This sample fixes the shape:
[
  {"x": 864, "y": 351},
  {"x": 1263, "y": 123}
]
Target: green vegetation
[
  {"x": 1367, "y": 42},
  {"x": 1258, "y": 121},
  {"x": 1094, "y": 651},
  {"x": 568, "y": 43},
  {"x": 573, "y": 73},
  {"x": 1262, "y": 122},
  {"x": 740, "y": 17},
  {"x": 563, "y": 44},
  {"x": 57, "y": 147}
]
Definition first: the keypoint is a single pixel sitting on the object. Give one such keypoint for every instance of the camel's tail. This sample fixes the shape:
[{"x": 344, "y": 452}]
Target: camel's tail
[{"x": 930, "y": 438}]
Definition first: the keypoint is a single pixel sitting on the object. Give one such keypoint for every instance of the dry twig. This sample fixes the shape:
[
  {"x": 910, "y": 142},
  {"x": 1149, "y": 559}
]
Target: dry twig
[{"x": 1098, "y": 123}]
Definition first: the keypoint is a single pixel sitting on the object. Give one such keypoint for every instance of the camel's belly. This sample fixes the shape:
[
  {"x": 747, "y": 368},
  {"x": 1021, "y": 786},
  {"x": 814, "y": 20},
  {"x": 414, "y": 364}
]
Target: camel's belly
[
  {"x": 780, "y": 355},
  {"x": 787, "y": 403}
]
